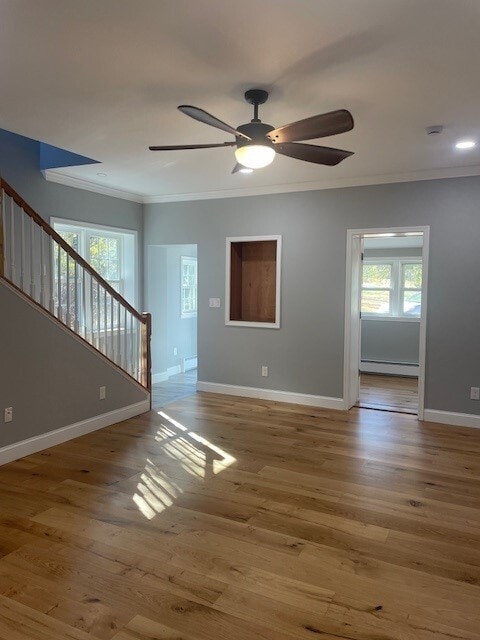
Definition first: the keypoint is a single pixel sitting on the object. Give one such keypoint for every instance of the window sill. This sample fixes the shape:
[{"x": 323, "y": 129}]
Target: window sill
[
  {"x": 391, "y": 318},
  {"x": 188, "y": 315}
]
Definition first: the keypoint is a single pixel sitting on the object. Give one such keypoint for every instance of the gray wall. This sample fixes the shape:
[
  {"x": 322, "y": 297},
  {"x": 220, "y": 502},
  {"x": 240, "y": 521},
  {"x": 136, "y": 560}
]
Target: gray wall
[
  {"x": 48, "y": 377},
  {"x": 390, "y": 341},
  {"x": 162, "y": 298},
  {"x": 306, "y": 353}
]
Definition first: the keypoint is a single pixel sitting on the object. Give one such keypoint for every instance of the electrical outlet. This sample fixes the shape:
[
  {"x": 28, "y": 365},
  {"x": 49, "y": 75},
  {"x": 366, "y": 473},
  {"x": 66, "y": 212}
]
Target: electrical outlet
[
  {"x": 474, "y": 393},
  {"x": 103, "y": 393},
  {"x": 175, "y": 351},
  {"x": 8, "y": 414},
  {"x": 264, "y": 371}
]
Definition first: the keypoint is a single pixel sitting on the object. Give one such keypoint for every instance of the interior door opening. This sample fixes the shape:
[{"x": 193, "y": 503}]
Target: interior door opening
[
  {"x": 385, "y": 323},
  {"x": 172, "y": 297}
]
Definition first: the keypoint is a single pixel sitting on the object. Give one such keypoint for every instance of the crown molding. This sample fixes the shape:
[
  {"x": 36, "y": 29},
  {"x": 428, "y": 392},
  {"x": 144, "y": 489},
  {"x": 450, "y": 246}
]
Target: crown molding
[
  {"x": 87, "y": 185},
  {"x": 339, "y": 183}
]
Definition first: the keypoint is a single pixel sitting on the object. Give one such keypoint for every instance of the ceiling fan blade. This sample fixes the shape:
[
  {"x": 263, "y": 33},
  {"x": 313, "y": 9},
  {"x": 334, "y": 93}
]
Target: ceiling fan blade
[
  {"x": 177, "y": 147},
  {"x": 240, "y": 168},
  {"x": 312, "y": 153},
  {"x": 326, "y": 124},
  {"x": 207, "y": 118}
]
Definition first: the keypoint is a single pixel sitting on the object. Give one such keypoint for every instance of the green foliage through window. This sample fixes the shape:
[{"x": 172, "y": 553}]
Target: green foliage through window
[{"x": 392, "y": 288}]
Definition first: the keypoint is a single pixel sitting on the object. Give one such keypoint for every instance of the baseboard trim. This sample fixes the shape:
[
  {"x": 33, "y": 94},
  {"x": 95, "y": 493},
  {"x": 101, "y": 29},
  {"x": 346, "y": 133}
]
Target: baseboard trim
[
  {"x": 173, "y": 371},
  {"x": 449, "y": 417},
  {"x": 324, "y": 402},
  {"x": 159, "y": 377},
  {"x": 188, "y": 364},
  {"x": 45, "y": 440},
  {"x": 389, "y": 368},
  {"x": 163, "y": 376}
]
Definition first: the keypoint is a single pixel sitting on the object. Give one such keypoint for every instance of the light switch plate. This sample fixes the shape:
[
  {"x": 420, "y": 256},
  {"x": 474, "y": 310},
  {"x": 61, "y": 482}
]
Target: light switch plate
[{"x": 214, "y": 303}]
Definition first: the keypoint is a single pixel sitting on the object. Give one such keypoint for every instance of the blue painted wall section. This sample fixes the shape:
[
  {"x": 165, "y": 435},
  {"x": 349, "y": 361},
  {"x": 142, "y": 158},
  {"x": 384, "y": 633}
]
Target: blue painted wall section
[
  {"x": 49, "y": 157},
  {"x": 54, "y": 158}
]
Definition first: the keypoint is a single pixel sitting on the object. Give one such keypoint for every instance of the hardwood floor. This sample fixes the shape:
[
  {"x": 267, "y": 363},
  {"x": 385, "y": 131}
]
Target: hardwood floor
[
  {"x": 176, "y": 387},
  {"x": 228, "y": 518},
  {"x": 389, "y": 393}
]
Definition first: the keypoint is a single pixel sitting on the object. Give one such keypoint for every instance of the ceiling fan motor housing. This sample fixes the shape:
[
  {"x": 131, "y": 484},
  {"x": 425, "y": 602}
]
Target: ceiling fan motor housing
[{"x": 257, "y": 131}]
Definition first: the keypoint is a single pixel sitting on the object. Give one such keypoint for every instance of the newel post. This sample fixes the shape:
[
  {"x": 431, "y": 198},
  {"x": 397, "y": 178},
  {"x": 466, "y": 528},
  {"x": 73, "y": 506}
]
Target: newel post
[
  {"x": 2, "y": 230},
  {"x": 146, "y": 351}
]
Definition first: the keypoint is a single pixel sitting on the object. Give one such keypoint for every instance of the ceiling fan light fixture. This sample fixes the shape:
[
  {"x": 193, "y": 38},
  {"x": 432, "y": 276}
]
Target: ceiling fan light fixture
[{"x": 255, "y": 156}]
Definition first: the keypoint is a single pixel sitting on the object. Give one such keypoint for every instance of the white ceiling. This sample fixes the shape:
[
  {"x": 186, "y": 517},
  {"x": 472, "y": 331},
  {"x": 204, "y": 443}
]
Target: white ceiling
[{"x": 102, "y": 78}]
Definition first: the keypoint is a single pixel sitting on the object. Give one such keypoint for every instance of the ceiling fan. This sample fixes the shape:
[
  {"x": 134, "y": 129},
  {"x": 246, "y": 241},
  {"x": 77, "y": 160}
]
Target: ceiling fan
[{"x": 257, "y": 143}]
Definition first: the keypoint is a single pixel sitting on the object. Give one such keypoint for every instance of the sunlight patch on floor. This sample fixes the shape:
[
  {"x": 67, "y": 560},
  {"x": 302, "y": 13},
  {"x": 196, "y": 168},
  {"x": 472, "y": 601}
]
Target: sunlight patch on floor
[{"x": 192, "y": 453}]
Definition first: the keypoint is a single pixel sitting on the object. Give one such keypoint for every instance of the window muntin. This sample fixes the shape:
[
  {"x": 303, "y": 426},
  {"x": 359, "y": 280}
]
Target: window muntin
[
  {"x": 392, "y": 287},
  {"x": 188, "y": 287}
]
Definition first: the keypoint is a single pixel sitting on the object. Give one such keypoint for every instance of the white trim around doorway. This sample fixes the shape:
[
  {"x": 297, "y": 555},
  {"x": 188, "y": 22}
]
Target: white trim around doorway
[{"x": 348, "y": 383}]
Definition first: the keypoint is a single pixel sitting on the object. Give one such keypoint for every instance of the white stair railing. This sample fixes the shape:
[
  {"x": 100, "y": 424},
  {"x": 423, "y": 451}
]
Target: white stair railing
[{"x": 36, "y": 260}]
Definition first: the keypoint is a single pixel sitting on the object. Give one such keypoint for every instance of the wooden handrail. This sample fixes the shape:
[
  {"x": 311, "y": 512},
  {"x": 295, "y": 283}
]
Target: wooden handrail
[
  {"x": 10, "y": 191},
  {"x": 2, "y": 237}
]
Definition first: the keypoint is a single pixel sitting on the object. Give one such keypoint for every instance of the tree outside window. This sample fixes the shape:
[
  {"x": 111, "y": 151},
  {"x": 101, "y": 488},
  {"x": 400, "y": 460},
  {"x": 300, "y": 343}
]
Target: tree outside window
[{"x": 392, "y": 288}]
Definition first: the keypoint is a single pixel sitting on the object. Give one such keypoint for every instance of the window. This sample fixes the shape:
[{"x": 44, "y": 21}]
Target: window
[
  {"x": 111, "y": 252},
  {"x": 392, "y": 287},
  {"x": 188, "y": 294},
  {"x": 105, "y": 256}
]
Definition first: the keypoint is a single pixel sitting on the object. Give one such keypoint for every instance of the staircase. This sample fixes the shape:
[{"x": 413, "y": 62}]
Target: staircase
[{"x": 40, "y": 265}]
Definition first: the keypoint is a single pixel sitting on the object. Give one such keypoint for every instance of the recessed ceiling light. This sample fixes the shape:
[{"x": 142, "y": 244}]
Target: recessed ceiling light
[
  {"x": 465, "y": 144},
  {"x": 246, "y": 170},
  {"x": 102, "y": 175}
]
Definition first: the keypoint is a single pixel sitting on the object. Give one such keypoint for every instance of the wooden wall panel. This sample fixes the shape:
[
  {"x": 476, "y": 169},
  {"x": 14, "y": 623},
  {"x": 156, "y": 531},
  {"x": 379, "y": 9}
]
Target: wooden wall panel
[{"x": 253, "y": 281}]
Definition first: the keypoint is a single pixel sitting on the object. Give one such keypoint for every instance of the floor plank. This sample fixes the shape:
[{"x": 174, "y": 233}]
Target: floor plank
[
  {"x": 176, "y": 387},
  {"x": 389, "y": 393},
  {"x": 221, "y": 517}
]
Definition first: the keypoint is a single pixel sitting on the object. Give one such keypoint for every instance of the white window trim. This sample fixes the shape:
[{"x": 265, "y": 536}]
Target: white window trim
[
  {"x": 397, "y": 288},
  {"x": 185, "y": 260}
]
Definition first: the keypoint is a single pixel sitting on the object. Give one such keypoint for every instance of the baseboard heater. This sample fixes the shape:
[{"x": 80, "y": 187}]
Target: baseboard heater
[
  {"x": 189, "y": 363},
  {"x": 390, "y": 368}
]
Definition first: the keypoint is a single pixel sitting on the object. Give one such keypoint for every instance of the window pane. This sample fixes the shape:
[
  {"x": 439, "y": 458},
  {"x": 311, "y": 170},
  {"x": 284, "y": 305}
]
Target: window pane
[
  {"x": 412, "y": 303},
  {"x": 113, "y": 259},
  {"x": 412, "y": 276},
  {"x": 71, "y": 238},
  {"x": 375, "y": 301},
  {"x": 189, "y": 286},
  {"x": 104, "y": 256},
  {"x": 377, "y": 275}
]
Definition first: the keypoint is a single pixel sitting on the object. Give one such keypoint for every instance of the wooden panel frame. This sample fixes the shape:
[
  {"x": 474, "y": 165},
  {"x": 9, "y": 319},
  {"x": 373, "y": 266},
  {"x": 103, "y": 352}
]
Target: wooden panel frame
[{"x": 231, "y": 265}]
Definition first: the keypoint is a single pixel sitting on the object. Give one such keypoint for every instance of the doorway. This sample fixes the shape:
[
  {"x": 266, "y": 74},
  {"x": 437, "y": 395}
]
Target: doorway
[
  {"x": 172, "y": 298},
  {"x": 385, "y": 325}
]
